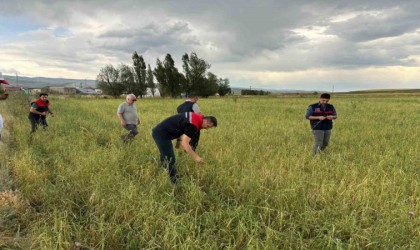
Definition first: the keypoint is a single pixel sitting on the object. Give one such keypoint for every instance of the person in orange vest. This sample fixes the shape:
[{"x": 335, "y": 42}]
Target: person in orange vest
[{"x": 40, "y": 108}]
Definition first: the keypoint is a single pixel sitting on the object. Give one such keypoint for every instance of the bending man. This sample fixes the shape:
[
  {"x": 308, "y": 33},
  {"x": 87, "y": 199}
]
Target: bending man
[{"x": 185, "y": 125}]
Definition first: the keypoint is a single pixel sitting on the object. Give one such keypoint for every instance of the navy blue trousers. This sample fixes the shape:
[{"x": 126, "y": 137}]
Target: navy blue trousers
[{"x": 167, "y": 155}]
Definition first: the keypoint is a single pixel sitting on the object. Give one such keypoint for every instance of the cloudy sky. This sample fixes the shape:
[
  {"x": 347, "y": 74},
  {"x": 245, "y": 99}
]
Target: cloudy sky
[{"x": 301, "y": 44}]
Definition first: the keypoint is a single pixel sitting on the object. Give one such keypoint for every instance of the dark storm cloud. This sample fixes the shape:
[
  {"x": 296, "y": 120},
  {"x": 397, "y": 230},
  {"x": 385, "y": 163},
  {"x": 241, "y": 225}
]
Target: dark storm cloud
[
  {"x": 267, "y": 35},
  {"x": 370, "y": 26}
]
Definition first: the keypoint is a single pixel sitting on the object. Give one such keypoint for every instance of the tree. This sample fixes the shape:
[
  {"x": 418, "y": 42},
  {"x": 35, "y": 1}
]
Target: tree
[
  {"x": 127, "y": 78},
  {"x": 195, "y": 70},
  {"x": 149, "y": 80},
  {"x": 187, "y": 85},
  {"x": 140, "y": 73},
  {"x": 108, "y": 81},
  {"x": 162, "y": 81},
  {"x": 224, "y": 87},
  {"x": 209, "y": 86},
  {"x": 168, "y": 77}
]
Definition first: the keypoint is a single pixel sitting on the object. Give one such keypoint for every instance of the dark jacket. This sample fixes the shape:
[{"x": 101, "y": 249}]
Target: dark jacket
[
  {"x": 175, "y": 126},
  {"x": 187, "y": 106},
  {"x": 317, "y": 109},
  {"x": 41, "y": 107}
]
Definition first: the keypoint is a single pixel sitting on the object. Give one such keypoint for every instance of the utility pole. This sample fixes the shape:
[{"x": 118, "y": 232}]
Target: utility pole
[{"x": 17, "y": 80}]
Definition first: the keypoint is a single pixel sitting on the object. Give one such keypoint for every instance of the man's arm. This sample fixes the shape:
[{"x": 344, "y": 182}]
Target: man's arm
[
  {"x": 185, "y": 143},
  {"x": 196, "y": 109},
  {"x": 309, "y": 115},
  {"x": 51, "y": 112},
  {"x": 333, "y": 116},
  {"x": 321, "y": 118},
  {"x": 34, "y": 111},
  {"x": 121, "y": 118}
]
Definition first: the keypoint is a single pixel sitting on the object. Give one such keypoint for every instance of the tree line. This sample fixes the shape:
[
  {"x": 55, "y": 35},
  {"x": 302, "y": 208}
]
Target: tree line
[
  {"x": 195, "y": 78},
  {"x": 254, "y": 92}
]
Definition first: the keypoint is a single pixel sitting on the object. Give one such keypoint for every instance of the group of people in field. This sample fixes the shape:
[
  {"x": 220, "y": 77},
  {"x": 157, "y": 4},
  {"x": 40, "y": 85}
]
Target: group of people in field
[{"x": 186, "y": 125}]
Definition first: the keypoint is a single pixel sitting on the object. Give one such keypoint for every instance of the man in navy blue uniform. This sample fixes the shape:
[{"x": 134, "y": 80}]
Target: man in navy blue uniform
[
  {"x": 190, "y": 105},
  {"x": 186, "y": 125},
  {"x": 320, "y": 115}
]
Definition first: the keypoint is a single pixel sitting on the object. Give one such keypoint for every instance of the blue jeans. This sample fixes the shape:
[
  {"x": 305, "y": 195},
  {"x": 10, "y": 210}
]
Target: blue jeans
[
  {"x": 322, "y": 139},
  {"x": 167, "y": 155},
  {"x": 132, "y": 132},
  {"x": 37, "y": 120}
]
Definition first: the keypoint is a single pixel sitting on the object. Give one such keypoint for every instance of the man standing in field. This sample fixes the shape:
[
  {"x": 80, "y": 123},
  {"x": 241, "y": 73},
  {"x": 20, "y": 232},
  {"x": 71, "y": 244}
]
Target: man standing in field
[
  {"x": 127, "y": 113},
  {"x": 40, "y": 108},
  {"x": 190, "y": 105},
  {"x": 1, "y": 125},
  {"x": 3, "y": 91},
  {"x": 320, "y": 116},
  {"x": 186, "y": 125},
  {"x": 3, "y": 96}
]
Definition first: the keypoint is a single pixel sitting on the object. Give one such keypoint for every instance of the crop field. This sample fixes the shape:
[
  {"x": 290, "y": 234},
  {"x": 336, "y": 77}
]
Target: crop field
[{"x": 75, "y": 185}]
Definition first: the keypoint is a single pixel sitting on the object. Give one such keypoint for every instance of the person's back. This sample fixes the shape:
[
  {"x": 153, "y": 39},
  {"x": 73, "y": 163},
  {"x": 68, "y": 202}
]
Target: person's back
[
  {"x": 190, "y": 105},
  {"x": 187, "y": 106},
  {"x": 174, "y": 126}
]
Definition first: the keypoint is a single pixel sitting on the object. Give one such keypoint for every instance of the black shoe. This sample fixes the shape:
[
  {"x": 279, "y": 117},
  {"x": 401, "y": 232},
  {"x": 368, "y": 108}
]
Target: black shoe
[{"x": 175, "y": 179}]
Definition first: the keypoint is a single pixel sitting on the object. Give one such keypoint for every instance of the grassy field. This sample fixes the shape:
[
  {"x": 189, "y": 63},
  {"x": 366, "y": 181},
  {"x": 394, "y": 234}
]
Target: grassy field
[{"x": 260, "y": 188}]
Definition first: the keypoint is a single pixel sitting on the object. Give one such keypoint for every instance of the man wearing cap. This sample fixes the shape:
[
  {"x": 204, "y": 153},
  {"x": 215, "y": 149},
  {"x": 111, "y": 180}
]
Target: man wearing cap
[
  {"x": 186, "y": 125},
  {"x": 190, "y": 105},
  {"x": 38, "y": 112},
  {"x": 127, "y": 114},
  {"x": 320, "y": 116}
]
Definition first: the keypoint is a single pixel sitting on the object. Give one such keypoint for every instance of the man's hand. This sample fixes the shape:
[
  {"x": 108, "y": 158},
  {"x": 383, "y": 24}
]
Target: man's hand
[
  {"x": 198, "y": 159},
  {"x": 123, "y": 123},
  {"x": 321, "y": 118},
  {"x": 330, "y": 117}
]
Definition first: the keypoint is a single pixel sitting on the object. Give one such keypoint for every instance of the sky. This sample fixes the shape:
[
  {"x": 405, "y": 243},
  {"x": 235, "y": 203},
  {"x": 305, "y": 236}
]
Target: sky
[{"x": 338, "y": 45}]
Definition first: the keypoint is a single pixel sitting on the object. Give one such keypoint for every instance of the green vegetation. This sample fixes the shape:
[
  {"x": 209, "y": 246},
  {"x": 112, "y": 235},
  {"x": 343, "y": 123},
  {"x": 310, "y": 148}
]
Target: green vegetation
[
  {"x": 260, "y": 187},
  {"x": 170, "y": 82}
]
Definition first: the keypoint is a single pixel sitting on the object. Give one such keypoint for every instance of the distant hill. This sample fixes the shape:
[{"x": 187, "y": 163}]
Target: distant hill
[
  {"x": 384, "y": 91},
  {"x": 237, "y": 91},
  {"x": 39, "y": 82}
]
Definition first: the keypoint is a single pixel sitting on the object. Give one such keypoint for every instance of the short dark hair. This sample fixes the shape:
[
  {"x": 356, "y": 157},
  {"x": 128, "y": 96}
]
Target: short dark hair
[
  {"x": 43, "y": 94},
  {"x": 326, "y": 96},
  {"x": 211, "y": 119},
  {"x": 192, "y": 95}
]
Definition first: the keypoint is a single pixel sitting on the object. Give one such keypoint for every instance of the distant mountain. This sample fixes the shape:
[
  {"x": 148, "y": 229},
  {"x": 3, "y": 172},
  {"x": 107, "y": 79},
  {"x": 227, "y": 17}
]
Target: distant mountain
[
  {"x": 237, "y": 91},
  {"x": 39, "y": 82}
]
